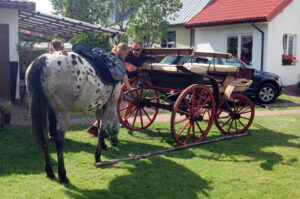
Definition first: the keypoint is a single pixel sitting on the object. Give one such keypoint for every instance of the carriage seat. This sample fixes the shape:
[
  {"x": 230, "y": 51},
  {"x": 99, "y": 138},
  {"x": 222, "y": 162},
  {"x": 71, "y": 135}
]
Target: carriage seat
[
  {"x": 199, "y": 68},
  {"x": 109, "y": 68}
]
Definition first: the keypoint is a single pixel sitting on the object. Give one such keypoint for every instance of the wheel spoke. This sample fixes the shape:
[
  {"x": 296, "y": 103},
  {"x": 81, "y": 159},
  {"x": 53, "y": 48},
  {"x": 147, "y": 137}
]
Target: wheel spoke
[
  {"x": 236, "y": 130},
  {"x": 242, "y": 123},
  {"x": 194, "y": 135},
  {"x": 125, "y": 108},
  {"x": 226, "y": 122},
  {"x": 146, "y": 114},
  {"x": 131, "y": 112},
  {"x": 133, "y": 123},
  {"x": 200, "y": 97},
  {"x": 141, "y": 116},
  {"x": 187, "y": 135},
  {"x": 199, "y": 127},
  {"x": 130, "y": 101},
  {"x": 245, "y": 118},
  {"x": 246, "y": 112},
  {"x": 188, "y": 104},
  {"x": 230, "y": 125},
  {"x": 179, "y": 133},
  {"x": 184, "y": 112},
  {"x": 148, "y": 91},
  {"x": 180, "y": 121}
]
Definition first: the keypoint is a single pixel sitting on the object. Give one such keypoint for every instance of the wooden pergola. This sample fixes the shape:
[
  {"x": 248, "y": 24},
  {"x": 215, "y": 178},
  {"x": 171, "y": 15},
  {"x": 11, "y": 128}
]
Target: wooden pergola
[{"x": 43, "y": 23}]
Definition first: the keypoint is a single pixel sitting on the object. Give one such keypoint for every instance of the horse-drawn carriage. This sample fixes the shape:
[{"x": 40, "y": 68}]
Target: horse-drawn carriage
[{"x": 197, "y": 92}]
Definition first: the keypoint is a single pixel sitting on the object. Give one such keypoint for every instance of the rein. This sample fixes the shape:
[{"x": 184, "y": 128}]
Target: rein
[{"x": 109, "y": 137}]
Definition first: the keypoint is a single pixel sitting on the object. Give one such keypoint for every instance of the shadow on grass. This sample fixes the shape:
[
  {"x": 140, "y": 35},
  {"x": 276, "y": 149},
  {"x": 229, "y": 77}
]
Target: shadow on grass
[
  {"x": 253, "y": 147},
  {"x": 162, "y": 180}
]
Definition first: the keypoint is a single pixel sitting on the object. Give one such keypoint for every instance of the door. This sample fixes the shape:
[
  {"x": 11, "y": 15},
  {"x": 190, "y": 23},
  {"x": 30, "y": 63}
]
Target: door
[{"x": 4, "y": 61}]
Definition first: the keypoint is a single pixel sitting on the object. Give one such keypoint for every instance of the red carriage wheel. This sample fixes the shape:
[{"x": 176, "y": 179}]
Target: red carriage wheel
[
  {"x": 234, "y": 116},
  {"x": 193, "y": 114},
  {"x": 134, "y": 110}
]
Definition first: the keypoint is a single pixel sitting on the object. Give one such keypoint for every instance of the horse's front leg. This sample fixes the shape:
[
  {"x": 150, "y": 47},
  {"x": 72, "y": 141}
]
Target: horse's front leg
[{"x": 59, "y": 141}]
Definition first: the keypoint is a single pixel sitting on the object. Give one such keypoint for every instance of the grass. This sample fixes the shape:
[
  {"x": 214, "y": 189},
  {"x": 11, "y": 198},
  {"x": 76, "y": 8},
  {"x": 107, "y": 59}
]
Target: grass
[
  {"x": 287, "y": 99},
  {"x": 264, "y": 164}
]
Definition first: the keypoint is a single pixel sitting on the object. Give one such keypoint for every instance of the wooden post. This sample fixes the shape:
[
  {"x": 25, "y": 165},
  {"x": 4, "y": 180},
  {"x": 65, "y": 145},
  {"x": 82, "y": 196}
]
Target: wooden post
[{"x": 137, "y": 157}]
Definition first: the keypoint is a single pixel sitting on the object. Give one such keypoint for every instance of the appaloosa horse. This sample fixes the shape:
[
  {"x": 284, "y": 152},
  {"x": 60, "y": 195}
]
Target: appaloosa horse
[{"x": 67, "y": 83}]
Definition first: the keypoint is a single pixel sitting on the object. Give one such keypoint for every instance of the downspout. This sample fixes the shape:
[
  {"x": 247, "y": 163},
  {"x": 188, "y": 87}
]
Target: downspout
[
  {"x": 262, "y": 46},
  {"x": 191, "y": 39}
]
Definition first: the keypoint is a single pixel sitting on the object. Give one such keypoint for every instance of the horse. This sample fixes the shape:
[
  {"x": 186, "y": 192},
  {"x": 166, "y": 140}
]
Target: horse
[{"x": 67, "y": 82}]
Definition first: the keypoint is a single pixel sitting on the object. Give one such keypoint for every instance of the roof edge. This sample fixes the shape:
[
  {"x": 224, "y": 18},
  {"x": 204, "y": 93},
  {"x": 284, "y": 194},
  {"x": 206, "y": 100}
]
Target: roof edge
[{"x": 203, "y": 25}]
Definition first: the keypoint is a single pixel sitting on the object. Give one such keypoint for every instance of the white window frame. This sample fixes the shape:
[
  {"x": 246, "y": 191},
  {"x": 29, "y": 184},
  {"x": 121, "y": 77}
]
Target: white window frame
[
  {"x": 286, "y": 48},
  {"x": 239, "y": 48}
]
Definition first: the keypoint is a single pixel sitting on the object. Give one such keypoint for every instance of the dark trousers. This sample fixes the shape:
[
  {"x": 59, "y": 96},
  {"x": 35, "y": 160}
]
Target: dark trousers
[{"x": 52, "y": 122}]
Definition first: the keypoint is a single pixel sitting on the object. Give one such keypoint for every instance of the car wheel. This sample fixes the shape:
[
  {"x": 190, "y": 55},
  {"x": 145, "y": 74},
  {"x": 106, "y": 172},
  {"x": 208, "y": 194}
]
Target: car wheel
[{"x": 267, "y": 93}]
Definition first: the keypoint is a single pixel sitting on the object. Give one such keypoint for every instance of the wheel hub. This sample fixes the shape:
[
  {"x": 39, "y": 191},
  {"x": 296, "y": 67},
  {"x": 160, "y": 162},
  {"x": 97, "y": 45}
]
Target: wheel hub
[
  {"x": 197, "y": 117},
  {"x": 235, "y": 115}
]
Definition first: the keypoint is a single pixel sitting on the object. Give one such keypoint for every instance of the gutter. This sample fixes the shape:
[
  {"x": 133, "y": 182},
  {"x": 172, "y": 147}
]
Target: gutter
[{"x": 262, "y": 46}]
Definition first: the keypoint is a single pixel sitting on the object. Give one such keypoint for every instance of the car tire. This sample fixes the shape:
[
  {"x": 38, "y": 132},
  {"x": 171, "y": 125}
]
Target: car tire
[{"x": 267, "y": 93}]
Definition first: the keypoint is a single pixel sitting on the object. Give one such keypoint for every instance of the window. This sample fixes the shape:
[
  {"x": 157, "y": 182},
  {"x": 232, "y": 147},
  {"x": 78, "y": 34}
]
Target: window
[
  {"x": 289, "y": 49},
  {"x": 171, "y": 43},
  {"x": 241, "y": 47}
]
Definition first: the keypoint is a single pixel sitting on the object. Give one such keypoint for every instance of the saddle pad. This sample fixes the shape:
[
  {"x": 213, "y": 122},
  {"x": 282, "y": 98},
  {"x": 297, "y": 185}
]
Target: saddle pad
[{"x": 108, "y": 67}]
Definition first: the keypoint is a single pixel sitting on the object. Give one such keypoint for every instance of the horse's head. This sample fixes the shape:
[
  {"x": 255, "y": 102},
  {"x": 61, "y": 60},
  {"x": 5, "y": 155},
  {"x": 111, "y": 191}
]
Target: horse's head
[{"x": 112, "y": 136}]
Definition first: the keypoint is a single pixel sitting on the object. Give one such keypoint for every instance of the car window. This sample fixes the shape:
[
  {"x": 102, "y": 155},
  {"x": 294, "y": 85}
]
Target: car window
[
  {"x": 170, "y": 59},
  {"x": 230, "y": 62}
]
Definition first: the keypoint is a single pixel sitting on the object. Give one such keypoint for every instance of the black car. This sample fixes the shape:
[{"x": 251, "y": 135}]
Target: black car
[{"x": 266, "y": 87}]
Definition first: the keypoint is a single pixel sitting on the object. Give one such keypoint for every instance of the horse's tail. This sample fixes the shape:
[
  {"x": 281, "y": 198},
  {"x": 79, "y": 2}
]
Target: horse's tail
[{"x": 38, "y": 106}]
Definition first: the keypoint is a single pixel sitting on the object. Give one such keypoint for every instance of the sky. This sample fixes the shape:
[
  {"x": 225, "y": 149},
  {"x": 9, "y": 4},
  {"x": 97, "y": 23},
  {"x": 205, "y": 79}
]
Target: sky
[{"x": 43, "y": 6}]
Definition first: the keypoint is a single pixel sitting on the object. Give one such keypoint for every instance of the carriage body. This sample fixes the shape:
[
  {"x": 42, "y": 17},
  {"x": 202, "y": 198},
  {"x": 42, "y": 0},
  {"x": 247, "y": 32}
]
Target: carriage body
[{"x": 197, "y": 94}]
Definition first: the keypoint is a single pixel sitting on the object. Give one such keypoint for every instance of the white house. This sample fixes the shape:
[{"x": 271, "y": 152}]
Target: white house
[
  {"x": 20, "y": 16},
  {"x": 9, "y": 39},
  {"x": 257, "y": 31}
]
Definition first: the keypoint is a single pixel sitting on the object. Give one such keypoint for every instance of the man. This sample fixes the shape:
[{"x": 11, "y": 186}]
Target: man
[{"x": 135, "y": 60}]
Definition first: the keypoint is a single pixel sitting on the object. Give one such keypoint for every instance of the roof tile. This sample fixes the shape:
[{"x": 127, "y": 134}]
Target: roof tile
[{"x": 237, "y": 11}]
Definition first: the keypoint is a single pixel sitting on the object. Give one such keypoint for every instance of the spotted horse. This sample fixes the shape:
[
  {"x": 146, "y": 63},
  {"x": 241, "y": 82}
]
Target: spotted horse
[{"x": 67, "y": 83}]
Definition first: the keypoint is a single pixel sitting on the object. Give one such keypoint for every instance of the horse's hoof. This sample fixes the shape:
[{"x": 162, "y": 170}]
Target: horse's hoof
[
  {"x": 51, "y": 175},
  {"x": 65, "y": 181}
]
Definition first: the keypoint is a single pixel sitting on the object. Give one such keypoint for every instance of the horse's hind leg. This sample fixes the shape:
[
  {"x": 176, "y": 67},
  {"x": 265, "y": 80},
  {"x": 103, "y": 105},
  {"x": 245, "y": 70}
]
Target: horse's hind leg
[
  {"x": 59, "y": 141},
  {"x": 48, "y": 167}
]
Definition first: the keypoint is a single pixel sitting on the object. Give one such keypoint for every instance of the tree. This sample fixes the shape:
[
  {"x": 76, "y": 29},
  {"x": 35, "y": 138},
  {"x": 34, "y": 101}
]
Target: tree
[
  {"x": 124, "y": 12},
  {"x": 91, "y": 11},
  {"x": 150, "y": 24}
]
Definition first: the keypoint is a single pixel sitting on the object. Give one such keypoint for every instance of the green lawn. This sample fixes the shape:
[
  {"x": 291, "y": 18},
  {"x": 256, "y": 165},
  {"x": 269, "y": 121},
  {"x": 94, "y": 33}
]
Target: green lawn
[{"x": 264, "y": 164}]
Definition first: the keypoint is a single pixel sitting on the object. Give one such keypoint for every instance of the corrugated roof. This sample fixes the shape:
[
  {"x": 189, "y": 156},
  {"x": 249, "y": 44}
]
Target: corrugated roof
[
  {"x": 222, "y": 12},
  {"x": 189, "y": 9},
  {"x": 44, "y": 23}
]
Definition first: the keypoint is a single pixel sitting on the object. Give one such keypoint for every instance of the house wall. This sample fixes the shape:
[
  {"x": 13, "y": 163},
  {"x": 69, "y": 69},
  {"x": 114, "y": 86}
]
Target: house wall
[
  {"x": 182, "y": 36},
  {"x": 10, "y": 16},
  {"x": 286, "y": 22},
  {"x": 214, "y": 39}
]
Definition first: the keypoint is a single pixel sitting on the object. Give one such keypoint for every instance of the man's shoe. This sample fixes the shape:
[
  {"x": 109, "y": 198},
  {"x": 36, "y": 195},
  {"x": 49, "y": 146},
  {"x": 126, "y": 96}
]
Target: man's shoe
[{"x": 93, "y": 131}]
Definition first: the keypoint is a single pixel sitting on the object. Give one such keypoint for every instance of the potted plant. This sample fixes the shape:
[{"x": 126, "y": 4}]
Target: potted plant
[
  {"x": 6, "y": 108},
  {"x": 288, "y": 59}
]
